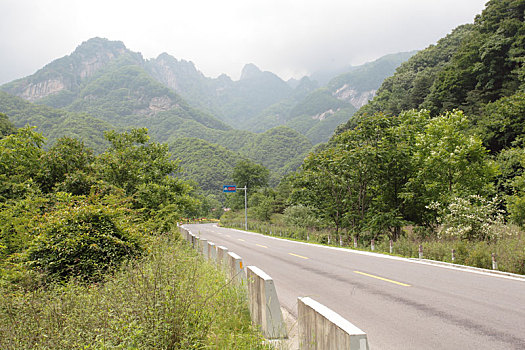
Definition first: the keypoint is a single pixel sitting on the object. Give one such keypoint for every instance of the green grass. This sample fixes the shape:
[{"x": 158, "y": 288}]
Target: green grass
[{"x": 170, "y": 299}]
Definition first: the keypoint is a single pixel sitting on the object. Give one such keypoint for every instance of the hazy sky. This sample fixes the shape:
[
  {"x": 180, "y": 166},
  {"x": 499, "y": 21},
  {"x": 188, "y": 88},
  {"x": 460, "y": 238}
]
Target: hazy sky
[{"x": 288, "y": 37}]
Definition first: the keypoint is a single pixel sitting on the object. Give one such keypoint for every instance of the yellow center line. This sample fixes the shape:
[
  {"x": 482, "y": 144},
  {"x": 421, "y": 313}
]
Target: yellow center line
[
  {"x": 299, "y": 256},
  {"x": 260, "y": 245},
  {"x": 240, "y": 239},
  {"x": 383, "y": 279}
]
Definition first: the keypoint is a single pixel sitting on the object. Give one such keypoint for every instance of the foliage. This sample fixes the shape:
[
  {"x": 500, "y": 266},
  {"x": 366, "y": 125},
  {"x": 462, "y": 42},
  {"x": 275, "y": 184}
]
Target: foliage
[
  {"x": 67, "y": 157},
  {"x": 251, "y": 175},
  {"x": 450, "y": 162},
  {"x": 209, "y": 165},
  {"x": 411, "y": 83},
  {"x": 6, "y": 127},
  {"x": 170, "y": 299},
  {"x": 68, "y": 213},
  {"x": 471, "y": 218},
  {"x": 55, "y": 123},
  {"x": 19, "y": 163},
  {"x": 382, "y": 174},
  {"x": 475, "y": 65},
  {"x": 131, "y": 161},
  {"x": 82, "y": 241},
  {"x": 503, "y": 122},
  {"x": 280, "y": 149},
  {"x": 300, "y": 215}
]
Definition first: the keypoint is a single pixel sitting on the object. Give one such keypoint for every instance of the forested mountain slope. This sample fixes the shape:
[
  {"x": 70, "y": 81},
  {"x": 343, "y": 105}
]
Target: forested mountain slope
[
  {"x": 478, "y": 68},
  {"x": 55, "y": 123},
  {"x": 316, "y": 113},
  {"x": 442, "y": 145}
]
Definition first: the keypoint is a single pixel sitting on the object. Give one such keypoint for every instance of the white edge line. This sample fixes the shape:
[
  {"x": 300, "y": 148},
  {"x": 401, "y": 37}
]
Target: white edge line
[{"x": 445, "y": 265}]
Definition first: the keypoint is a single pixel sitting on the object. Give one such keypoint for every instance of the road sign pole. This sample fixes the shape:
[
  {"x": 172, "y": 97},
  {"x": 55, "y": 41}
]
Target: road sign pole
[
  {"x": 233, "y": 188},
  {"x": 245, "y": 188},
  {"x": 245, "y": 208}
]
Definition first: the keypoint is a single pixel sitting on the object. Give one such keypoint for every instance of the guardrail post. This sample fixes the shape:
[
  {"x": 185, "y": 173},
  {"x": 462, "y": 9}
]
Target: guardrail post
[
  {"x": 236, "y": 268},
  {"x": 391, "y": 246},
  {"x": 203, "y": 248},
  {"x": 322, "y": 328},
  {"x": 265, "y": 309},
  {"x": 421, "y": 251},
  {"x": 373, "y": 245},
  {"x": 222, "y": 255},
  {"x": 355, "y": 242},
  {"x": 453, "y": 255},
  {"x": 494, "y": 262},
  {"x": 212, "y": 252}
]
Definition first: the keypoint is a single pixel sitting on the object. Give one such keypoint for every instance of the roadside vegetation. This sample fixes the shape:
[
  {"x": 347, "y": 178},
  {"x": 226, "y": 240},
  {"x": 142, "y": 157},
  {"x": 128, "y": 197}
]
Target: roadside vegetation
[
  {"x": 169, "y": 299},
  {"x": 90, "y": 255}
]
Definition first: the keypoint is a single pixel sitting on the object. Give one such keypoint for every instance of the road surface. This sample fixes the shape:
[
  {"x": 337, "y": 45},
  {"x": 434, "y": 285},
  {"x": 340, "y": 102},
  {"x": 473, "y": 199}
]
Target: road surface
[{"x": 399, "y": 303}]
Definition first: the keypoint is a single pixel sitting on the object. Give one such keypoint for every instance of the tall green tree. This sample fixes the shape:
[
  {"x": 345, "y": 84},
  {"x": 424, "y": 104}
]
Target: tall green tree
[
  {"x": 247, "y": 174},
  {"x": 68, "y": 159},
  {"x": 6, "y": 127},
  {"x": 250, "y": 174},
  {"x": 131, "y": 160},
  {"x": 19, "y": 163},
  {"x": 450, "y": 162}
]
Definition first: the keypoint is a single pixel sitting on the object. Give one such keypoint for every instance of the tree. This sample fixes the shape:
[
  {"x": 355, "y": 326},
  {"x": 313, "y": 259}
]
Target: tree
[
  {"x": 68, "y": 157},
  {"x": 249, "y": 174},
  {"x": 6, "y": 127},
  {"x": 19, "y": 162},
  {"x": 131, "y": 160},
  {"x": 449, "y": 162},
  {"x": 322, "y": 185}
]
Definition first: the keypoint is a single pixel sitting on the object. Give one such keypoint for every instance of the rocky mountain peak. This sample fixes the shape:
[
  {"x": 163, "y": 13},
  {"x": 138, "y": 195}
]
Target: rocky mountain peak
[{"x": 250, "y": 71}]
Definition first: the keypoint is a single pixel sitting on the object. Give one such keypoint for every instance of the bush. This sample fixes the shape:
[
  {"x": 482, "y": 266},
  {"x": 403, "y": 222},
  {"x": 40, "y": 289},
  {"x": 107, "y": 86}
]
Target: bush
[
  {"x": 83, "y": 242},
  {"x": 170, "y": 299},
  {"x": 480, "y": 256},
  {"x": 472, "y": 218}
]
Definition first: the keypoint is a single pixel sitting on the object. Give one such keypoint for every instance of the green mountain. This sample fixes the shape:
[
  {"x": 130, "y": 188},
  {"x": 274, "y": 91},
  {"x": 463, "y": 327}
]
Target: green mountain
[
  {"x": 237, "y": 103},
  {"x": 260, "y": 100},
  {"x": 119, "y": 92},
  {"x": 208, "y": 164},
  {"x": 55, "y": 123},
  {"x": 478, "y": 68},
  {"x": 316, "y": 113},
  {"x": 106, "y": 80}
]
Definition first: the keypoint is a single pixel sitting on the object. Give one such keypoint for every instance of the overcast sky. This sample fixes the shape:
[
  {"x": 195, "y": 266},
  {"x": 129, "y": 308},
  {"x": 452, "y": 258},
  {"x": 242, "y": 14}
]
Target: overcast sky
[{"x": 291, "y": 38}]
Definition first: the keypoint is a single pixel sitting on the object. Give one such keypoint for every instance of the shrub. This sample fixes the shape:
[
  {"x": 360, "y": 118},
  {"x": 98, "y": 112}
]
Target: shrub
[
  {"x": 472, "y": 218},
  {"x": 83, "y": 242},
  {"x": 169, "y": 299},
  {"x": 301, "y": 216}
]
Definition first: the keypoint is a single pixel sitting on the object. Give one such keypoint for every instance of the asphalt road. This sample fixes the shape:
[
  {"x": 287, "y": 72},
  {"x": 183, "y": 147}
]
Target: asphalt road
[{"x": 399, "y": 303}]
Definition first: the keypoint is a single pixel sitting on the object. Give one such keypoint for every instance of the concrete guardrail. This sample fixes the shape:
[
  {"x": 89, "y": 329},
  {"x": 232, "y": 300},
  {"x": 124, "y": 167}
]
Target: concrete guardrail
[
  {"x": 236, "y": 268},
  {"x": 203, "y": 247},
  {"x": 222, "y": 255},
  {"x": 322, "y": 328},
  {"x": 265, "y": 309},
  {"x": 319, "y": 327},
  {"x": 212, "y": 252}
]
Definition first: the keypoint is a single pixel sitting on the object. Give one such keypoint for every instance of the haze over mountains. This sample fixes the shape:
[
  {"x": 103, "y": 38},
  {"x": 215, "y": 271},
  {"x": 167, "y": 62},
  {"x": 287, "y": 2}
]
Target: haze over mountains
[{"x": 104, "y": 85}]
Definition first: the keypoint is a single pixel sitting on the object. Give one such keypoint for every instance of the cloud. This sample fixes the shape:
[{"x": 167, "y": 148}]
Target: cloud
[{"x": 288, "y": 37}]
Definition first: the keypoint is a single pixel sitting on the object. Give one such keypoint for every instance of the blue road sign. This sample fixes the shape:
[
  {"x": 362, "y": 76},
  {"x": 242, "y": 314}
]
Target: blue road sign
[{"x": 229, "y": 188}]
